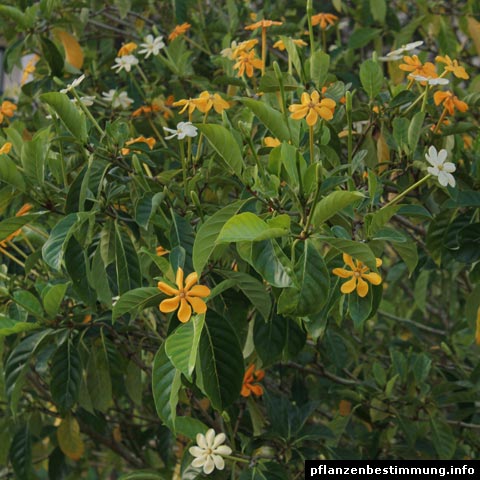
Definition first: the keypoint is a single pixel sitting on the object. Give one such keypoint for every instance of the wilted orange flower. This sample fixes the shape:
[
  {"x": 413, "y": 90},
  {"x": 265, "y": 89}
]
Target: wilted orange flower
[
  {"x": 359, "y": 273},
  {"x": 262, "y": 24},
  {"x": 5, "y": 148},
  {"x": 186, "y": 296},
  {"x": 313, "y": 107},
  {"x": 127, "y": 49},
  {"x": 190, "y": 104},
  {"x": 150, "y": 141},
  {"x": 178, "y": 30},
  {"x": 160, "y": 251},
  {"x": 271, "y": 142},
  {"x": 206, "y": 101},
  {"x": 297, "y": 41},
  {"x": 87, "y": 318},
  {"x": 29, "y": 68},
  {"x": 324, "y": 19},
  {"x": 24, "y": 209},
  {"x": 144, "y": 109},
  {"x": 450, "y": 102},
  {"x": 453, "y": 66},
  {"x": 249, "y": 386},
  {"x": 245, "y": 46},
  {"x": 247, "y": 61},
  {"x": 416, "y": 67},
  {"x": 7, "y": 109}
]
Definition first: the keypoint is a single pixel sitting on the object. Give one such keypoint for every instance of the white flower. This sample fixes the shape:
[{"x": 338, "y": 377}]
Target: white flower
[
  {"x": 151, "y": 45},
  {"x": 440, "y": 168},
  {"x": 74, "y": 84},
  {"x": 228, "y": 52},
  {"x": 405, "y": 48},
  {"x": 209, "y": 451},
  {"x": 429, "y": 80},
  {"x": 117, "y": 100},
  {"x": 125, "y": 63},
  {"x": 87, "y": 100},
  {"x": 184, "y": 129}
]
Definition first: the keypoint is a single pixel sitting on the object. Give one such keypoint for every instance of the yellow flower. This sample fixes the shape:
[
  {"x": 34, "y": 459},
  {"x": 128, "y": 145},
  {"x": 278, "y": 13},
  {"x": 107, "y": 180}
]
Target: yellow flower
[
  {"x": 178, "y": 30},
  {"x": 249, "y": 378},
  {"x": 29, "y": 68},
  {"x": 206, "y": 101},
  {"x": 324, "y": 19},
  {"x": 246, "y": 63},
  {"x": 5, "y": 149},
  {"x": 450, "y": 102},
  {"x": 7, "y": 109},
  {"x": 150, "y": 141},
  {"x": 160, "y": 251},
  {"x": 271, "y": 142},
  {"x": 245, "y": 46},
  {"x": 262, "y": 24},
  {"x": 416, "y": 67},
  {"x": 127, "y": 49},
  {"x": 186, "y": 296},
  {"x": 279, "y": 45},
  {"x": 312, "y": 107},
  {"x": 359, "y": 273},
  {"x": 190, "y": 104},
  {"x": 453, "y": 66}
]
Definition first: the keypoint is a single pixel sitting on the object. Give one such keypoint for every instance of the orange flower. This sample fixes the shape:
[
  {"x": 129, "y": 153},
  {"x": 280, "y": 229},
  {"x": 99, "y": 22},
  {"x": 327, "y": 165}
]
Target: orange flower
[
  {"x": 452, "y": 66},
  {"x": 187, "y": 297},
  {"x": 24, "y": 209},
  {"x": 416, "y": 67},
  {"x": 127, "y": 49},
  {"x": 297, "y": 41},
  {"x": 190, "y": 104},
  {"x": 312, "y": 107},
  {"x": 245, "y": 46},
  {"x": 262, "y": 24},
  {"x": 206, "y": 101},
  {"x": 29, "y": 68},
  {"x": 5, "y": 149},
  {"x": 144, "y": 109},
  {"x": 160, "y": 251},
  {"x": 324, "y": 19},
  {"x": 450, "y": 102},
  {"x": 7, "y": 109},
  {"x": 150, "y": 141},
  {"x": 359, "y": 273},
  {"x": 246, "y": 63},
  {"x": 248, "y": 386},
  {"x": 178, "y": 30},
  {"x": 271, "y": 142}
]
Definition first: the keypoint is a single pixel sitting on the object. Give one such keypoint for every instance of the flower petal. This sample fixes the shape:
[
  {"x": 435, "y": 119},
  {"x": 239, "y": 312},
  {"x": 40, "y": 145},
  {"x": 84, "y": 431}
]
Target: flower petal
[
  {"x": 218, "y": 440},
  {"x": 362, "y": 287},
  {"x": 209, "y": 465},
  {"x": 312, "y": 117},
  {"x": 201, "y": 441},
  {"x": 223, "y": 450},
  {"x": 179, "y": 278},
  {"x": 219, "y": 462},
  {"x": 449, "y": 167},
  {"x": 169, "y": 305},
  {"x": 167, "y": 289},
  {"x": 342, "y": 272},
  {"x": 196, "y": 451},
  {"x": 190, "y": 281},
  {"x": 442, "y": 156},
  {"x": 198, "y": 305},
  {"x": 199, "y": 291},
  {"x": 348, "y": 260},
  {"x": 378, "y": 262},
  {"x": 210, "y": 437},
  {"x": 349, "y": 287},
  {"x": 185, "y": 312},
  {"x": 199, "y": 461},
  {"x": 373, "y": 278}
]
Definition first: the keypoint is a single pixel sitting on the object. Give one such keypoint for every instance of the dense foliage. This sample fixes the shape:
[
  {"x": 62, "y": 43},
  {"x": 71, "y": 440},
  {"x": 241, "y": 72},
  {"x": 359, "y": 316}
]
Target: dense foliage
[{"x": 236, "y": 236}]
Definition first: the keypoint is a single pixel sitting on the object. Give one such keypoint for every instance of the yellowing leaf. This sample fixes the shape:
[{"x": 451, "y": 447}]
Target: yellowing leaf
[
  {"x": 474, "y": 30},
  {"x": 69, "y": 438},
  {"x": 383, "y": 153},
  {"x": 477, "y": 333},
  {"x": 73, "y": 50}
]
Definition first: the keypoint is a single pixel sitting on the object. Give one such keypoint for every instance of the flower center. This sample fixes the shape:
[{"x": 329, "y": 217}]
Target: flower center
[
  {"x": 182, "y": 294},
  {"x": 209, "y": 451},
  {"x": 357, "y": 274},
  {"x": 311, "y": 105}
]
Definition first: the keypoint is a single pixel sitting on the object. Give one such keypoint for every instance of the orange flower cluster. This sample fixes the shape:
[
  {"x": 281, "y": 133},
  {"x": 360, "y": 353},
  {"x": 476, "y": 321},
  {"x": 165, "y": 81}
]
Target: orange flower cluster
[
  {"x": 450, "y": 102},
  {"x": 312, "y": 107},
  {"x": 414, "y": 65},
  {"x": 204, "y": 102},
  {"x": 178, "y": 30},
  {"x": 7, "y": 109},
  {"x": 249, "y": 386}
]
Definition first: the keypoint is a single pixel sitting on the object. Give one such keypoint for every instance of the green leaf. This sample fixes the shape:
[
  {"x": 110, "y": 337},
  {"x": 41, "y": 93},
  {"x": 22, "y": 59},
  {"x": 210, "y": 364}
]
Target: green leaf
[
  {"x": 166, "y": 384},
  {"x": 360, "y": 308},
  {"x": 248, "y": 227},
  {"x": 126, "y": 262},
  {"x": 421, "y": 289},
  {"x": 8, "y": 326},
  {"x": 221, "y": 362},
  {"x": 293, "y": 55},
  {"x": 389, "y": 234},
  {"x": 21, "y": 453},
  {"x": 68, "y": 113},
  {"x": 137, "y": 300},
  {"x": 253, "y": 289},
  {"x": 270, "y": 117},
  {"x": 181, "y": 346},
  {"x": 29, "y": 302},
  {"x": 142, "y": 475},
  {"x": 378, "y": 8},
  {"x": 408, "y": 252},
  {"x": 10, "y": 174},
  {"x": 269, "y": 82},
  {"x": 182, "y": 236},
  {"x": 362, "y": 37},
  {"x": 415, "y": 130},
  {"x": 443, "y": 439},
  {"x": 270, "y": 338},
  {"x": 319, "y": 65},
  {"x": 52, "y": 56},
  {"x": 375, "y": 221},
  {"x": 190, "y": 427},
  {"x": 208, "y": 232},
  {"x": 11, "y": 225},
  {"x": 400, "y": 132},
  {"x": 99, "y": 380},
  {"x": 224, "y": 143},
  {"x": 66, "y": 373},
  {"x": 357, "y": 250},
  {"x": 14, "y": 14},
  {"x": 53, "y": 298},
  {"x": 371, "y": 77},
  {"x": 332, "y": 204}
]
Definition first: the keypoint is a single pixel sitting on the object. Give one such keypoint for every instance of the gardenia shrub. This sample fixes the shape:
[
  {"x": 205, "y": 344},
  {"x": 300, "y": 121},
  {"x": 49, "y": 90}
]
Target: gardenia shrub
[{"x": 237, "y": 236}]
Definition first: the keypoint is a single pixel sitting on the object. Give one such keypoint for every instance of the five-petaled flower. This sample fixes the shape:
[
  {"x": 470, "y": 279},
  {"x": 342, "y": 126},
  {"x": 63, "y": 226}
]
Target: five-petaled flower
[
  {"x": 125, "y": 63},
  {"x": 178, "y": 30},
  {"x": 324, "y": 20},
  {"x": 249, "y": 387},
  {"x": 206, "y": 101},
  {"x": 246, "y": 62},
  {"x": 453, "y": 66},
  {"x": 263, "y": 24},
  {"x": 414, "y": 65},
  {"x": 209, "y": 451},
  {"x": 312, "y": 107},
  {"x": 127, "y": 49},
  {"x": 358, "y": 273},
  {"x": 184, "y": 129},
  {"x": 280, "y": 45},
  {"x": 7, "y": 109},
  {"x": 151, "y": 46},
  {"x": 118, "y": 100},
  {"x": 440, "y": 168},
  {"x": 186, "y": 296},
  {"x": 450, "y": 102}
]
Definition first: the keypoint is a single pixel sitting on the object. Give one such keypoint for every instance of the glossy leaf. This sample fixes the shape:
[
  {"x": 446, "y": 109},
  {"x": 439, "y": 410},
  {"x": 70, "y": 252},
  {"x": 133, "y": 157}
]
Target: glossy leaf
[
  {"x": 332, "y": 204},
  {"x": 137, "y": 299}
]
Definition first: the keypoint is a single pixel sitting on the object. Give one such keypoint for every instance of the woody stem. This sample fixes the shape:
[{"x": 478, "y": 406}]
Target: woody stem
[
  {"x": 405, "y": 192},
  {"x": 440, "y": 121},
  {"x": 425, "y": 98},
  {"x": 310, "y": 130},
  {"x": 264, "y": 49}
]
